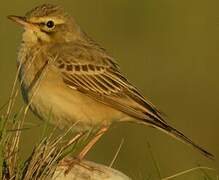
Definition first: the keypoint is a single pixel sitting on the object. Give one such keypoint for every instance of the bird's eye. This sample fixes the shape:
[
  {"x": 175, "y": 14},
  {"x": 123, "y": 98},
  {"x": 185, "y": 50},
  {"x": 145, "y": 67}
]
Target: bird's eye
[{"x": 50, "y": 24}]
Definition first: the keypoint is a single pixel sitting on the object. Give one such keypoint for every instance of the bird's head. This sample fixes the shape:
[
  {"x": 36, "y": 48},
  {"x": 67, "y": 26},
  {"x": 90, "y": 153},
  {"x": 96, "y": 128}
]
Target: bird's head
[{"x": 47, "y": 24}]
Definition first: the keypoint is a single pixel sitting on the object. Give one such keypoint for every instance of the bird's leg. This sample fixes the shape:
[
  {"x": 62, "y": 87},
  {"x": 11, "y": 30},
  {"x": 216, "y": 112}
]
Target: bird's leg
[
  {"x": 93, "y": 141},
  {"x": 86, "y": 149}
]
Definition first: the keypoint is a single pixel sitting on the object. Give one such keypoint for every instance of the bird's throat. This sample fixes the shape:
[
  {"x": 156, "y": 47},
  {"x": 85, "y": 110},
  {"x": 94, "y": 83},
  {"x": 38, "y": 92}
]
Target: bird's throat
[{"x": 33, "y": 37}]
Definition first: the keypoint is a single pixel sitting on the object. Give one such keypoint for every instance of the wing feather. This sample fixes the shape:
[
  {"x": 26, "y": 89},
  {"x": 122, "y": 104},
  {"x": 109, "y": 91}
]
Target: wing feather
[
  {"x": 110, "y": 87},
  {"x": 97, "y": 75}
]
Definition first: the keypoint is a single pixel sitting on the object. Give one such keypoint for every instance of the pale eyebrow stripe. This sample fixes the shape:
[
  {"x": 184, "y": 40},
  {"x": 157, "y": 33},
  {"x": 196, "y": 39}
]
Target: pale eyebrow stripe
[{"x": 45, "y": 19}]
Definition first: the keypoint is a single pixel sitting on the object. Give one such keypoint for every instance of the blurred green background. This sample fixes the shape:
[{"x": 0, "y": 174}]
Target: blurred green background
[{"x": 169, "y": 49}]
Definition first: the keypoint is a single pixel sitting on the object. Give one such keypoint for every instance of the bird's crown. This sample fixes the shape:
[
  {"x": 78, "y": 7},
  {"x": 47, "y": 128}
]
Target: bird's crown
[{"x": 46, "y": 10}]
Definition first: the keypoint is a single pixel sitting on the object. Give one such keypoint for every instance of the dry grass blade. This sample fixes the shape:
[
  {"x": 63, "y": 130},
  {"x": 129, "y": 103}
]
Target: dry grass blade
[
  {"x": 117, "y": 153},
  {"x": 188, "y": 171},
  {"x": 4, "y": 105},
  {"x": 45, "y": 158},
  {"x": 156, "y": 165},
  {"x": 13, "y": 95}
]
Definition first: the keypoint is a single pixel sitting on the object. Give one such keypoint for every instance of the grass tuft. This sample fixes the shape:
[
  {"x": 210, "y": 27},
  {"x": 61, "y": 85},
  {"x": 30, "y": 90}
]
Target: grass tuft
[{"x": 45, "y": 156}]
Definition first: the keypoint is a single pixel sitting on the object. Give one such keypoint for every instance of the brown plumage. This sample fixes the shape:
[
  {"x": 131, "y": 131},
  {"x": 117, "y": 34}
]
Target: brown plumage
[{"x": 67, "y": 75}]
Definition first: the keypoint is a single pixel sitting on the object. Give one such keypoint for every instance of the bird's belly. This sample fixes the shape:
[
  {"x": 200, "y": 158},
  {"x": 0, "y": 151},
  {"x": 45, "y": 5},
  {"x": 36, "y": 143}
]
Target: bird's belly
[{"x": 64, "y": 107}]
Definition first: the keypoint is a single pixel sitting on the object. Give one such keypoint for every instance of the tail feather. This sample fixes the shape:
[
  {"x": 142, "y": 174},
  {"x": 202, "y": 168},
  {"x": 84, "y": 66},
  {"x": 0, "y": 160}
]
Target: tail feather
[{"x": 179, "y": 136}]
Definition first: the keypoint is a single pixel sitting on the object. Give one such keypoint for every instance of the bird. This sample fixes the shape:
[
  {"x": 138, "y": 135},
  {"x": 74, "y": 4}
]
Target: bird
[{"x": 69, "y": 77}]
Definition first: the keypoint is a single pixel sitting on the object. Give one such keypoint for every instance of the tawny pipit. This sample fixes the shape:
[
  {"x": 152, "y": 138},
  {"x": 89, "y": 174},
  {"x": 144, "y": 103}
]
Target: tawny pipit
[{"x": 67, "y": 76}]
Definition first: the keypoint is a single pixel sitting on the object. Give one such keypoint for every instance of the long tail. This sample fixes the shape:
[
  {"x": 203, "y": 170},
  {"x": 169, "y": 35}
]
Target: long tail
[{"x": 178, "y": 135}]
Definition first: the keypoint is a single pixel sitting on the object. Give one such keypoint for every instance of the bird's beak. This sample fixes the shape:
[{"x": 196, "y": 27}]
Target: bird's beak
[{"x": 23, "y": 22}]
